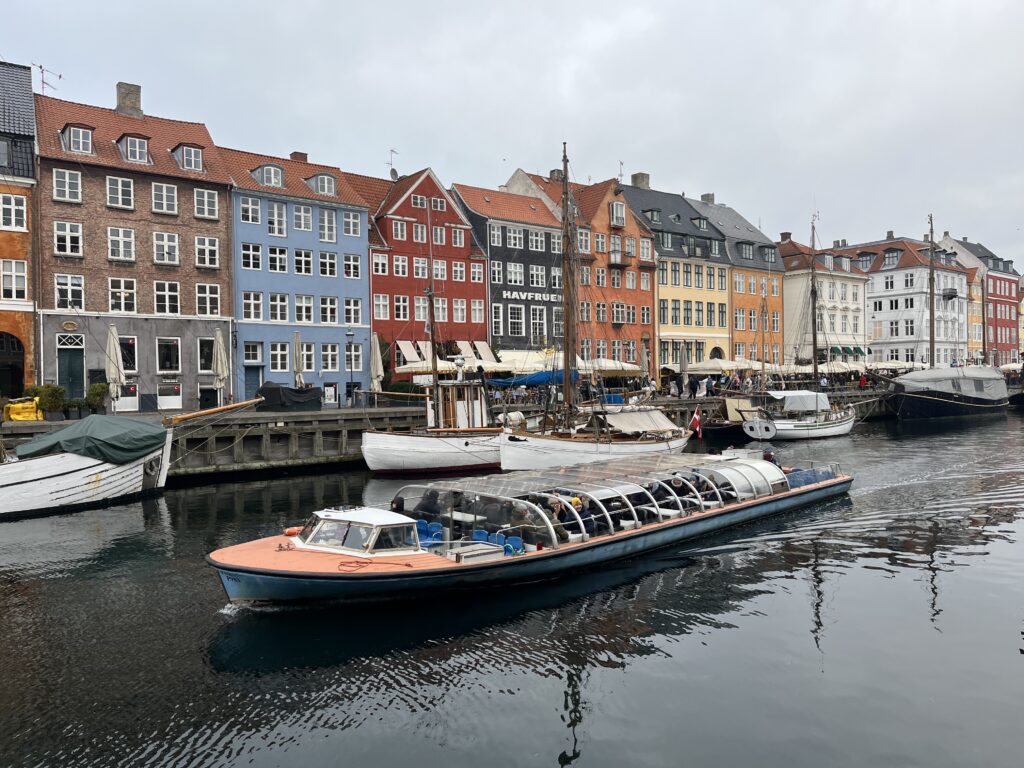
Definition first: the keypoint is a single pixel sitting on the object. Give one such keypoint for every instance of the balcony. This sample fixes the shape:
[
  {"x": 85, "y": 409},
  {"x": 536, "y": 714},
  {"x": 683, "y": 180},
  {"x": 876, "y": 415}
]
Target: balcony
[
  {"x": 948, "y": 294},
  {"x": 617, "y": 221},
  {"x": 619, "y": 259}
]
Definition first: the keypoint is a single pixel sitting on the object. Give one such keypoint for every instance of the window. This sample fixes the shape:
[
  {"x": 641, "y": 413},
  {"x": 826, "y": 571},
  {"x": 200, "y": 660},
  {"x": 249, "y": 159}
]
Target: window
[
  {"x": 663, "y": 272},
  {"x": 908, "y": 302},
  {"x": 441, "y": 310},
  {"x": 496, "y": 320},
  {"x": 70, "y": 291},
  {"x": 618, "y": 313},
  {"x": 67, "y": 238},
  {"x": 67, "y": 185},
  {"x": 687, "y": 274},
  {"x": 663, "y": 311},
  {"x": 419, "y": 201},
  {"x": 585, "y": 349},
  {"x": 495, "y": 234},
  {"x": 251, "y": 256},
  {"x": 601, "y": 312},
  {"x": 168, "y": 298},
  {"x": 120, "y": 244},
  {"x": 515, "y": 274},
  {"x": 458, "y": 238},
  {"x": 514, "y": 237},
  {"x": 476, "y": 272},
  {"x": 353, "y": 311},
  {"x": 583, "y": 240},
  {"x": 536, "y": 240},
  {"x": 353, "y": 357},
  {"x": 165, "y": 198},
  {"x": 584, "y": 274},
  {"x": 908, "y": 280},
  {"x": 252, "y": 305},
  {"x": 889, "y": 282},
  {"x": 329, "y": 310},
  {"x": 440, "y": 269},
  {"x": 688, "y": 312},
  {"x": 438, "y": 203},
  {"x": 631, "y": 246},
  {"x": 401, "y": 266},
  {"x": 303, "y": 309},
  {"x": 168, "y": 355},
  {"x": 13, "y": 285},
  {"x": 746, "y": 250},
  {"x": 698, "y": 276},
  {"x": 645, "y": 249},
  {"x": 353, "y": 266},
  {"x": 325, "y": 184},
  {"x": 602, "y": 348},
  {"x": 585, "y": 314},
  {"x": 329, "y": 356},
  {"x": 599, "y": 240},
  {"x": 769, "y": 254},
  {"x": 497, "y": 272},
  {"x": 272, "y": 176},
  {"x": 601, "y": 277},
  {"x": 618, "y": 213},
  {"x": 136, "y": 149},
  {"x": 477, "y": 310},
  {"x": 419, "y": 233},
  {"x": 538, "y": 276},
  {"x": 279, "y": 356},
  {"x": 249, "y": 210},
  {"x": 516, "y": 320},
  {"x": 350, "y": 223},
  {"x": 277, "y": 259},
  {"x": 380, "y": 264},
  {"x": 556, "y": 242},
  {"x": 908, "y": 327},
  {"x": 459, "y": 271},
  {"x": 458, "y": 310},
  {"x": 303, "y": 261},
  {"x": 5, "y": 153},
  {"x": 419, "y": 267},
  {"x": 401, "y": 307},
  {"x": 616, "y": 279},
  {"x": 276, "y": 224},
  {"x": 698, "y": 318},
  {"x": 192, "y": 158},
  {"x": 128, "y": 357},
  {"x": 207, "y": 252},
  {"x": 165, "y": 248},
  {"x": 645, "y": 282},
  {"x": 120, "y": 192},
  {"x": 278, "y": 308},
  {"x": 538, "y": 325},
  {"x": 302, "y": 218},
  {"x": 645, "y": 315},
  {"x": 894, "y": 328},
  {"x": 80, "y": 140},
  {"x": 381, "y": 306},
  {"x": 206, "y": 203},
  {"x": 398, "y": 230},
  {"x": 207, "y": 300},
  {"x": 739, "y": 320}
]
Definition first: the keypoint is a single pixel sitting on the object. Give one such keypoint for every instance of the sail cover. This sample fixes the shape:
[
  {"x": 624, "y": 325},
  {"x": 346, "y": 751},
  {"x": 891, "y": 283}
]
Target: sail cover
[
  {"x": 973, "y": 381},
  {"x": 635, "y": 422},
  {"x": 538, "y": 379},
  {"x": 114, "y": 439},
  {"x": 801, "y": 399}
]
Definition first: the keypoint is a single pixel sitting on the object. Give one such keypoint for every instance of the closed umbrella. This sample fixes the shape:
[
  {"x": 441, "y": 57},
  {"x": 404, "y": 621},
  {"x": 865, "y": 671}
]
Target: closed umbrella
[
  {"x": 297, "y": 361},
  {"x": 114, "y": 367},
  {"x": 220, "y": 362},
  {"x": 376, "y": 364}
]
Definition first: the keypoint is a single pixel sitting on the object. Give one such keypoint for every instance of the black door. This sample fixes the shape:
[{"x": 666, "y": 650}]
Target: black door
[{"x": 71, "y": 371}]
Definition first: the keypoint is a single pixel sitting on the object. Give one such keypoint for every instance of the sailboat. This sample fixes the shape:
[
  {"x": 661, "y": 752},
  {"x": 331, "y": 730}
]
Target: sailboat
[
  {"x": 605, "y": 435},
  {"x": 801, "y": 414}
]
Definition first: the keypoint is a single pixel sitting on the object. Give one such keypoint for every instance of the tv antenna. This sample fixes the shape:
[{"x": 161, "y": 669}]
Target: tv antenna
[
  {"x": 391, "y": 163},
  {"x": 43, "y": 72},
  {"x": 620, "y": 171}
]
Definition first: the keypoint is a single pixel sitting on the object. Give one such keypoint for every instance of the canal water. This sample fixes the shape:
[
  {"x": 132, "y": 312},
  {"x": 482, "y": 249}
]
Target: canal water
[{"x": 882, "y": 629}]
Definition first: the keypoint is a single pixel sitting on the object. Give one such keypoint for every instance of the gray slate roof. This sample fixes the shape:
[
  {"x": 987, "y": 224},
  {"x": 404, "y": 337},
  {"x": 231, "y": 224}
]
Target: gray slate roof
[
  {"x": 17, "y": 104},
  {"x": 737, "y": 230},
  {"x": 672, "y": 207}
]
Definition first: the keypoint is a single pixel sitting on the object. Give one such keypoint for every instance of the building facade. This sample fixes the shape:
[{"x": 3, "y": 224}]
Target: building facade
[
  {"x": 976, "y": 352},
  {"x": 134, "y": 216},
  {"x": 17, "y": 181},
  {"x": 523, "y": 242},
  {"x": 301, "y": 266}
]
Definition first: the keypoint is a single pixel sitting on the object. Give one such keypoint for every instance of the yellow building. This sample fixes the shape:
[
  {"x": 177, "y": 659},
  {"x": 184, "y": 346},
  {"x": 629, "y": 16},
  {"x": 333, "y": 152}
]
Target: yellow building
[{"x": 975, "y": 317}]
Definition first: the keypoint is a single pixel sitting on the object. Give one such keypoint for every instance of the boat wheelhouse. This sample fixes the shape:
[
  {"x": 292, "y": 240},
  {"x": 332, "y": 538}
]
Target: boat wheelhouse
[{"x": 518, "y": 527}]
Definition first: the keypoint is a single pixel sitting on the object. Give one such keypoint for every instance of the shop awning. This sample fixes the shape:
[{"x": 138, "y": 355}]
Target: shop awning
[
  {"x": 836, "y": 351},
  {"x": 858, "y": 351},
  {"x": 847, "y": 351}
]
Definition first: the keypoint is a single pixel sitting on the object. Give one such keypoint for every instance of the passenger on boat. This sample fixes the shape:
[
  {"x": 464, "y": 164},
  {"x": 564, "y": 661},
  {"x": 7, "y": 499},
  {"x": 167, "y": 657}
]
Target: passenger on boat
[
  {"x": 556, "y": 516},
  {"x": 586, "y": 515},
  {"x": 521, "y": 523},
  {"x": 428, "y": 505},
  {"x": 398, "y": 505},
  {"x": 660, "y": 492}
]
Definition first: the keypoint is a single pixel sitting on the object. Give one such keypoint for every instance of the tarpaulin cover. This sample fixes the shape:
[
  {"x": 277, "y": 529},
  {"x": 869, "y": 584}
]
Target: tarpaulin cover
[
  {"x": 278, "y": 398},
  {"x": 538, "y": 379},
  {"x": 636, "y": 422},
  {"x": 114, "y": 439},
  {"x": 974, "y": 381},
  {"x": 801, "y": 400}
]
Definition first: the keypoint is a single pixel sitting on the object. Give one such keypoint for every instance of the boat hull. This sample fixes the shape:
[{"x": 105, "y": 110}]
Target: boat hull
[
  {"x": 244, "y": 585},
  {"x": 519, "y": 451},
  {"x": 795, "y": 429},
  {"x": 933, "y": 405},
  {"x": 63, "y": 482},
  {"x": 422, "y": 452}
]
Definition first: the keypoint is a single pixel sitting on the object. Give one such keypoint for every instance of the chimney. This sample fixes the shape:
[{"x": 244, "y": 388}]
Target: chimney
[
  {"x": 129, "y": 99},
  {"x": 925, "y": 237},
  {"x": 301, "y": 157},
  {"x": 964, "y": 239},
  {"x": 642, "y": 180},
  {"x": 503, "y": 188},
  {"x": 888, "y": 235},
  {"x": 946, "y": 233},
  {"x": 843, "y": 242},
  {"x": 785, "y": 237},
  {"x": 708, "y": 197},
  {"x": 835, "y": 243},
  {"x": 556, "y": 174}
]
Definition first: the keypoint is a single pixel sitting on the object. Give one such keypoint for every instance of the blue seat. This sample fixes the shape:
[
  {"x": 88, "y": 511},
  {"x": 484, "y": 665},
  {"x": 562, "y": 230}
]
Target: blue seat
[
  {"x": 497, "y": 538},
  {"x": 514, "y": 545},
  {"x": 479, "y": 535},
  {"x": 433, "y": 528},
  {"x": 422, "y": 530}
]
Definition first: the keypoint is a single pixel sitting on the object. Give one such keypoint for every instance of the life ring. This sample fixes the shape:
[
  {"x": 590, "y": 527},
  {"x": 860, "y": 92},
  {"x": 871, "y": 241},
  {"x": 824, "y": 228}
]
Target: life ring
[
  {"x": 152, "y": 466},
  {"x": 295, "y": 530}
]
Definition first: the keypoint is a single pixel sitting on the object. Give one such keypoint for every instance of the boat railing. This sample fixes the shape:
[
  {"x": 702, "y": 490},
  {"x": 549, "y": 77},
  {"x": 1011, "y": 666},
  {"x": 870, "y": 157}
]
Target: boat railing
[{"x": 809, "y": 472}]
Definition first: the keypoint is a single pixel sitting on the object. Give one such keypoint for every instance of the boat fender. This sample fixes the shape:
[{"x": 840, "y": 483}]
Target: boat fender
[{"x": 295, "y": 530}]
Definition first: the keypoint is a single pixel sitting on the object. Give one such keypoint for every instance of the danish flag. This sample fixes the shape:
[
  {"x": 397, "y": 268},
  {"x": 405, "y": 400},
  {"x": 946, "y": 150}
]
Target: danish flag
[{"x": 695, "y": 423}]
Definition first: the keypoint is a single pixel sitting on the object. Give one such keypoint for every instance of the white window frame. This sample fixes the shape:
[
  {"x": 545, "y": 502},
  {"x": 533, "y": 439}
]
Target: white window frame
[
  {"x": 13, "y": 280},
  {"x": 67, "y": 185},
  {"x": 211, "y": 293},
  {"x": 117, "y": 186},
  {"x": 519, "y": 309},
  {"x": 280, "y": 356},
  {"x": 124, "y": 238},
  {"x": 380, "y": 264},
  {"x": 168, "y": 243},
  {"x": 177, "y": 343},
  {"x": 68, "y": 230},
  {"x": 458, "y": 238},
  {"x": 353, "y": 266},
  {"x": 165, "y": 198},
  {"x": 136, "y": 149},
  {"x": 206, "y": 203},
  {"x": 398, "y": 230},
  {"x": 279, "y": 304},
  {"x": 325, "y": 185},
  {"x": 328, "y": 310},
  {"x": 476, "y": 310},
  {"x": 249, "y": 210},
  {"x": 191, "y": 158},
  {"x": 400, "y": 266},
  {"x": 401, "y": 307},
  {"x": 254, "y": 251},
  {"x": 381, "y": 306},
  {"x": 277, "y": 219},
  {"x": 71, "y": 289},
  {"x": 304, "y": 309},
  {"x": 79, "y": 140},
  {"x": 207, "y": 252},
  {"x": 252, "y": 305},
  {"x": 122, "y": 291},
  {"x": 252, "y": 353},
  {"x": 351, "y": 223},
  {"x": 497, "y": 320},
  {"x": 167, "y": 293},
  {"x": 277, "y": 259},
  {"x": 302, "y": 218},
  {"x": 13, "y": 213},
  {"x": 327, "y": 225},
  {"x": 327, "y": 264}
]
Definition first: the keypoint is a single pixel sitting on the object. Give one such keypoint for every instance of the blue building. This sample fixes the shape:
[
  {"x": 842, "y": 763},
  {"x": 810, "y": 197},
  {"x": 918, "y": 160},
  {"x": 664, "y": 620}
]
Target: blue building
[{"x": 300, "y": 267}]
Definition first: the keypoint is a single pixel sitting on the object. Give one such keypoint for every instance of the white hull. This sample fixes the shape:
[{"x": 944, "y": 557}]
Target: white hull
[
  {"x": 66, "y": 480},
  {"x": 449, "y": 451},
  {"x": 543, "y": 451},
  {"x": 807, "y": 428}
]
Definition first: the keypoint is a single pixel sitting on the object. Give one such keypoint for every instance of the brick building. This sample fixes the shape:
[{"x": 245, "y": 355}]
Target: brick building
[
  {"x": 17, "y": 180},
  {"x": 134, "y": 231}
]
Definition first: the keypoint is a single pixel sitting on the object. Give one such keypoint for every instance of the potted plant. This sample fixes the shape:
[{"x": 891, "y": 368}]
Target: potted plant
[
  {"x": 51, "y": 402},
  {"x": 77, "y": 408},
  {"x": 96, "y": 397}
]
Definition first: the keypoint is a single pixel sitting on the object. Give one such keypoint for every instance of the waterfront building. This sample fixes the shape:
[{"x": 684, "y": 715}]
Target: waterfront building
[
  {"x": 975, "y": 316},
  {"x": 422, "y": 242},
  {"x": 523, "y": 242},
  {"x": 842, "y": 303},
  {"x": 898, "y": 294},
  {"x": 692, "y": 279},
  {"x": 756, "y": 294},
  {"x": 616, "y": 264},
  {"x": 17, "y": 180},
  {"x": 133, "y": 217},
  {"x": 300, "y": 267},
  {"x": 1000, "y": 297}
]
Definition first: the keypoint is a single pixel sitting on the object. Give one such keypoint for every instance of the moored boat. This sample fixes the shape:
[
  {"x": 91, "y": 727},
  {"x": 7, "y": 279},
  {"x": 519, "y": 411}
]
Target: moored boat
[
  {"x": 969, "y": 391},
  {"x": 515, "y": 528},
  {"x": 802, "y": 415}
]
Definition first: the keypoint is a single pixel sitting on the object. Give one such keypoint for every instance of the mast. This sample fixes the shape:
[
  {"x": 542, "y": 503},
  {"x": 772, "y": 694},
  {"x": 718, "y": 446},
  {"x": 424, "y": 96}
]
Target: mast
[
  {"x": 436, "y": 401},
  {"x": 569, "y": 308},
  {"x": 931, "y": 292},
  {"x": 814, "y": 307}
]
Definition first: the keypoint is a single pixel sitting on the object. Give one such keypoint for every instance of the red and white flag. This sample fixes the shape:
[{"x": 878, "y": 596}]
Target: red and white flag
[{"x": 695, "y": 423}]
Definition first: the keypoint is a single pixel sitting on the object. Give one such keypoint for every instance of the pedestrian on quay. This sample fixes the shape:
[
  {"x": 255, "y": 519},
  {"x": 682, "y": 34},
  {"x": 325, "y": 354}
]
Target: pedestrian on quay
[
  {"x": 863, "y": 383},
  {"x": 693, "y": 386}
]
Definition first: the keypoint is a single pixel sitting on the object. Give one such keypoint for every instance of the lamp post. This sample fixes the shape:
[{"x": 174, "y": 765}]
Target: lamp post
[{"x": 350, "y": 353}]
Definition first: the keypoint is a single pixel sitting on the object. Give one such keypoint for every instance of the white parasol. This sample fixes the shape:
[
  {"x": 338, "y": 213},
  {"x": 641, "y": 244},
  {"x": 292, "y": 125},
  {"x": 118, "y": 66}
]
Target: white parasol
[{"x": 114, "y": 367}]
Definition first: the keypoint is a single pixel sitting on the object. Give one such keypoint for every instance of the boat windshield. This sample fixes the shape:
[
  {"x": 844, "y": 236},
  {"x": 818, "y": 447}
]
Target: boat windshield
[
  {"x": 393, "y": 537},
  {"x": 308, "y": 528},
  {"x": 342, "y": 534}
]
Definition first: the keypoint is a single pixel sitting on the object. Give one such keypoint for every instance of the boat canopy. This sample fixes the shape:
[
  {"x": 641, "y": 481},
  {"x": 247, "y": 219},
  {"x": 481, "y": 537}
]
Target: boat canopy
[
  {"x": 537, "y": 379},
  {"x": 801, "y": 399},
  {"x": 113, "y": 439},
  {"x": 637, "y": 422},
  {"x": 973, "y": 380},
  {"x": 365, "y": 516}
]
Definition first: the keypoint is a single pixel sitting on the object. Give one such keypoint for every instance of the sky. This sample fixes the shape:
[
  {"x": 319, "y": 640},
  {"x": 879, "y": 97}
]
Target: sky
[{"x": 870, "y": 114}]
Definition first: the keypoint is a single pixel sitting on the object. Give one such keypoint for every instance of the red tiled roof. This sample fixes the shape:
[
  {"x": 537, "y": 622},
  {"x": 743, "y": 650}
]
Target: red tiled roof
[
  {"x": 371, "y": 189},
  {"x": 553, "y": 189},
  {"x": 240, "y": 165},
  {"x": 506, "y": 206},
  {"x": 399, "y": 188},
  {"x": 913, "y": 253},
  {"x": 52, "y": 115},
  {"x": 798, "y": 256}
]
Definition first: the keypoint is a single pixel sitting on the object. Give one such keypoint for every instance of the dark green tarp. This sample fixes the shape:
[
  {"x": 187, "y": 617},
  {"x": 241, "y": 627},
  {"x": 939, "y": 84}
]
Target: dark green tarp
[{"x": 114, "y": 439}]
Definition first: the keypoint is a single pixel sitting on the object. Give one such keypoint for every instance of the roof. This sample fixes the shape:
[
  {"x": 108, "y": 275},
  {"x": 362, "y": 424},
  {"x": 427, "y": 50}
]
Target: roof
[
  {"x": 370, "y": 188},
  {"x": 677, "y": 214},
  {"x": 240, "y": 165},
  {"x": 553, "y": 188},
  {"x": 365, "y": 515},
  {"x": 977, "y": 249},
  {"x": 17, "y": 107},
  {"x": 399, "y": 189},
  {"x": 798, "y": 256},
  {"x": 52, "y": 115},
  {"x": 736, "y": 229},
  {"x": 506, "y": 206},
  {"x": 913, "y": 253}
]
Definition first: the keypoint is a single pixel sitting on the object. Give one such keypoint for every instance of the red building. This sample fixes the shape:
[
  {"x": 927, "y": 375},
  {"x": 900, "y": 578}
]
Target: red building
[{"x": 420, "y": 237}]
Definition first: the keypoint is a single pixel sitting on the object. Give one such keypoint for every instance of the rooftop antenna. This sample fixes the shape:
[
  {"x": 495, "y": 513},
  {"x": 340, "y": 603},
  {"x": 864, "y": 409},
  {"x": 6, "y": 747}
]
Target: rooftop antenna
[
  {"x": 43, "y": 72},
  {"x": 391, "y": 163},
  {"x": 620, "y": 171}
]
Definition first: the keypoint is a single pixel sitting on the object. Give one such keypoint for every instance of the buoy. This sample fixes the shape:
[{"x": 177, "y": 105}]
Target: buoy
[{"x": 295, "y": 530}]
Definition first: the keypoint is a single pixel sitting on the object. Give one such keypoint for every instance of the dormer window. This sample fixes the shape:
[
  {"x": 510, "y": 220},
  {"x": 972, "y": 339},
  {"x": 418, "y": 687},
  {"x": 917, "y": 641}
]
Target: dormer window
[
  {"x": 829, "y": 261},
  {"x": 865, "y": 263},
  {"x": 653, "y": 215},
  {"x": 746, "y": 250},
  {"x": 617, "y": 210},
  {"x": 844, "y": 264},
  {"x": 136, "y": 149},
  {"x": 80, "y": 140},
  {"x": 891, "y": 257},
  {"x": 325, "y": 184},
  {"x": 192, "y": 158},
  {"x": 702, "y": 224},
  {"x": 271, "y": 176},
  {"x": 769, "y": 252}
]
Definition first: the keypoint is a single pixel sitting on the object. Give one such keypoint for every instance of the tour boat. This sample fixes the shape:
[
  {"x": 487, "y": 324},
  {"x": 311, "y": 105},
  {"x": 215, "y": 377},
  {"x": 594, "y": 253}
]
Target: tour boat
[
  {"x": 89, "y": 463},
  {"x": 518, "y": 527},
  {"x": 969, "y": 391},
  {"x": 802, "y": 415}
]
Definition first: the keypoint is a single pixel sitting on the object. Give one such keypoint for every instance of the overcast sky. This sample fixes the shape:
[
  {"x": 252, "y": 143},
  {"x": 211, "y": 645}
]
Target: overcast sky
[{"x": 873, "y": 114}]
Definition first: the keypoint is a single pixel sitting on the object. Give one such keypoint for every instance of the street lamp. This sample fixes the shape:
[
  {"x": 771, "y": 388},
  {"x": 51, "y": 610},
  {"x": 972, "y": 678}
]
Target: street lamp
[{"x": 350, "y": 353}]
